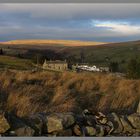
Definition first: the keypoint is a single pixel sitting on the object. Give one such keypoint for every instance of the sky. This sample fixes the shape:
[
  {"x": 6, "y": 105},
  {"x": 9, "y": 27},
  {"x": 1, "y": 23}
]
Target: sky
[{"x": 89, "y": 22}]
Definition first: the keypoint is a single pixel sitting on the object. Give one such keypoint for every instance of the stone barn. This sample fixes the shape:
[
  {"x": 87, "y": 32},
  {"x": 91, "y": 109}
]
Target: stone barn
[{"x": 55, "y": 65}]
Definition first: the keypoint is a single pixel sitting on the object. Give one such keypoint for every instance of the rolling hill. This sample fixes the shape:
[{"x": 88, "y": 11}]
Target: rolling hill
[
  {"x": 93, "y": 53},
  {"x": 55, "y": 42}
]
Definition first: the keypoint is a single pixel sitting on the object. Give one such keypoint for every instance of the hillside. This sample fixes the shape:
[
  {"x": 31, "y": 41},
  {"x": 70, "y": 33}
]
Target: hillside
[
  {"x": 55, "y": 42},
  {"x": 93, "y": 54}
]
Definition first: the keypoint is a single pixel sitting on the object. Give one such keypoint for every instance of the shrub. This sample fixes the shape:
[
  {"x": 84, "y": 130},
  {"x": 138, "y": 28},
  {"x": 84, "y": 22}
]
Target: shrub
[{"x": 133, "y": 69}]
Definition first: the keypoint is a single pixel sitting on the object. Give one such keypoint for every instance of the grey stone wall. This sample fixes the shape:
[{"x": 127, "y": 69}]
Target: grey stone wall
[{"x": 69, "y": 124}]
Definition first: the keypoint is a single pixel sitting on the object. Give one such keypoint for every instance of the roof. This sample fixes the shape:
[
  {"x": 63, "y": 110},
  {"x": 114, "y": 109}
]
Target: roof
[{"x": 56, "y": 62}]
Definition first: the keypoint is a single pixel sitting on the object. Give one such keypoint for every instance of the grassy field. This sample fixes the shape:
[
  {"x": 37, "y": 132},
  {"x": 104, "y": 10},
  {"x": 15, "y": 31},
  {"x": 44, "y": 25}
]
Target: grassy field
[
  {"x": 93, "y": 54},
  {"x": 26, "y": 92},
  {"x": 15, "y": 63}
]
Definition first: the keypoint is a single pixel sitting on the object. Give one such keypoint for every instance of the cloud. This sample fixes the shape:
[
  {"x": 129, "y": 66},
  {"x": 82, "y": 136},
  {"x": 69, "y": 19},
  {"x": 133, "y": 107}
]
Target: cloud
[
  {"x": 122, "y": 28},
  {"x": 48, "y": 32},
  {"x": 75, "y": 11},
  {"x": 99, "y": 22}
]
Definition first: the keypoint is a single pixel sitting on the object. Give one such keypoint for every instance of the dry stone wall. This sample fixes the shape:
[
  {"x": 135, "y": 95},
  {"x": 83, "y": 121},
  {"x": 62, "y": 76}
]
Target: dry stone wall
[{"x": 69, "y": 124}]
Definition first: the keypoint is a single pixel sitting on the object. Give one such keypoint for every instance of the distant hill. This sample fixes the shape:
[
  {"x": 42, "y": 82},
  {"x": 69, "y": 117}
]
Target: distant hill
[{"x": 57, "y": 42}]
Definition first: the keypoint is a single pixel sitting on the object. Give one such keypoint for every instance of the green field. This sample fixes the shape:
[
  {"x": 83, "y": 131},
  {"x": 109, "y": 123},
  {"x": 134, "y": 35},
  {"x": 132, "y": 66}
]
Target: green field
[{"x": 15, "y": 63}]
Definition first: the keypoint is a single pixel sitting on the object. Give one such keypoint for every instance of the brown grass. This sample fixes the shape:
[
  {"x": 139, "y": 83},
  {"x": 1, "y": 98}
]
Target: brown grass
[
  {"x": 58, "y": 42},
  {"x": 25, "y": 92}
]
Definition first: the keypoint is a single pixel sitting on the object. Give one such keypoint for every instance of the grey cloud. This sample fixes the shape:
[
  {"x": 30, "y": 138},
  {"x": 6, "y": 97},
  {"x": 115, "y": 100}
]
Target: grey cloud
[
  {"x": 75, "y": 11},
  {"x": 17, "y": 32},
  {"x": 20, "y": 29}
]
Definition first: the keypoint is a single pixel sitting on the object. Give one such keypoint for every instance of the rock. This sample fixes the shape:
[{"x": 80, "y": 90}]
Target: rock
[
  {"x": 138, "y": 108},
  {"x": 106, "y": 129},
  {"x": 80, "y": 120},
  {"x": 101, "y": 118},
  {"x": 67, "y": 132},
  {"x": 111, "y": 127},
  {"x": 11, "y": 133},
  {"x": 86, "y": 119},
  {"x": 67, "y": 124},
  {"x": 77, "y": 130},
  {"x": 24, "y": 131},
  {"x": 19, "y": 128},
  {"x": 68, "y": 120},
  {"x": 126, "y": 125},
  {"x": 134, "y": 120},
  {"x": 118, "y": 127},
  {"x": 90, "y": 120},
  {"x": 90, "y": 131},
  {"x": 59, "y": 121},
  {"x": 136, "y": 134},
  {"x": 99, "y": 131},
  {"x": 4, "y": 125},
  {"x": 37, "y": 122},
  {"x": 54, "y": 124}
]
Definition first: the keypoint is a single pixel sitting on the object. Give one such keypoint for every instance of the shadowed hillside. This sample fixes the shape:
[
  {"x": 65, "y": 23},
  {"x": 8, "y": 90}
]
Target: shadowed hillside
[{"x": 26, "y": 92}]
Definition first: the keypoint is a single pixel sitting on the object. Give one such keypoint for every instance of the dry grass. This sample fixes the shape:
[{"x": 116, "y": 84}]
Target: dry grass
[
  {"x": 58, "y": 42},
  {"x": 25, "y": 92}
]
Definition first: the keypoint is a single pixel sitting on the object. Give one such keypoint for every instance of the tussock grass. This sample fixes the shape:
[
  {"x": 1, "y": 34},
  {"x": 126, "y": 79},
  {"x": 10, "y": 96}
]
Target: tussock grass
[{"x": 25, "y": 92}]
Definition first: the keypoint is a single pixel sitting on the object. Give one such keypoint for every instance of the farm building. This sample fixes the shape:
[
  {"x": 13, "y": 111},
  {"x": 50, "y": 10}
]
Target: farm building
[
  {"x": 93, "y": 68},
  {"x": 55, "y": 65}
]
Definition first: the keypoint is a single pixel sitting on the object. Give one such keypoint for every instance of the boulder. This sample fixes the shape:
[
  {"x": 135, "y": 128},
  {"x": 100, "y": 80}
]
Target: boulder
[
  {"x": 77, "y": 130},
  {"x": 4, "y": 125},
  {"x": 59, "y": 121},
  {"x": 101, "y": 118},
  {"x": 126, "y": 125},
  {"x": 37, "y": 122},
  {"x": 24, "y": 131},
  {"x": 19, "y": 127},
  {"x": 10, "y": 133},
  {"x": 99, "y": 131},
  {"x": 81, "y": 120},
  {"x": 114, "y": 118},
  {"x": 90, "y": 120},
  {"x": 54, "y": 124},
  {"x": 68, "y": 120},
  {"x": 134, "y": 119},
  {"x": 66, "y": 132},
  {"x": 111, "y": 127},
  {"x": 90, "y": 131}
]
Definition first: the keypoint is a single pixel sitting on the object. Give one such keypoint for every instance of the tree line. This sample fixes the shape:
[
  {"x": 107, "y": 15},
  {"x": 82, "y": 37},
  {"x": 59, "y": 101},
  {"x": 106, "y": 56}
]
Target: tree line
[{"x": 132, "y": 69}]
